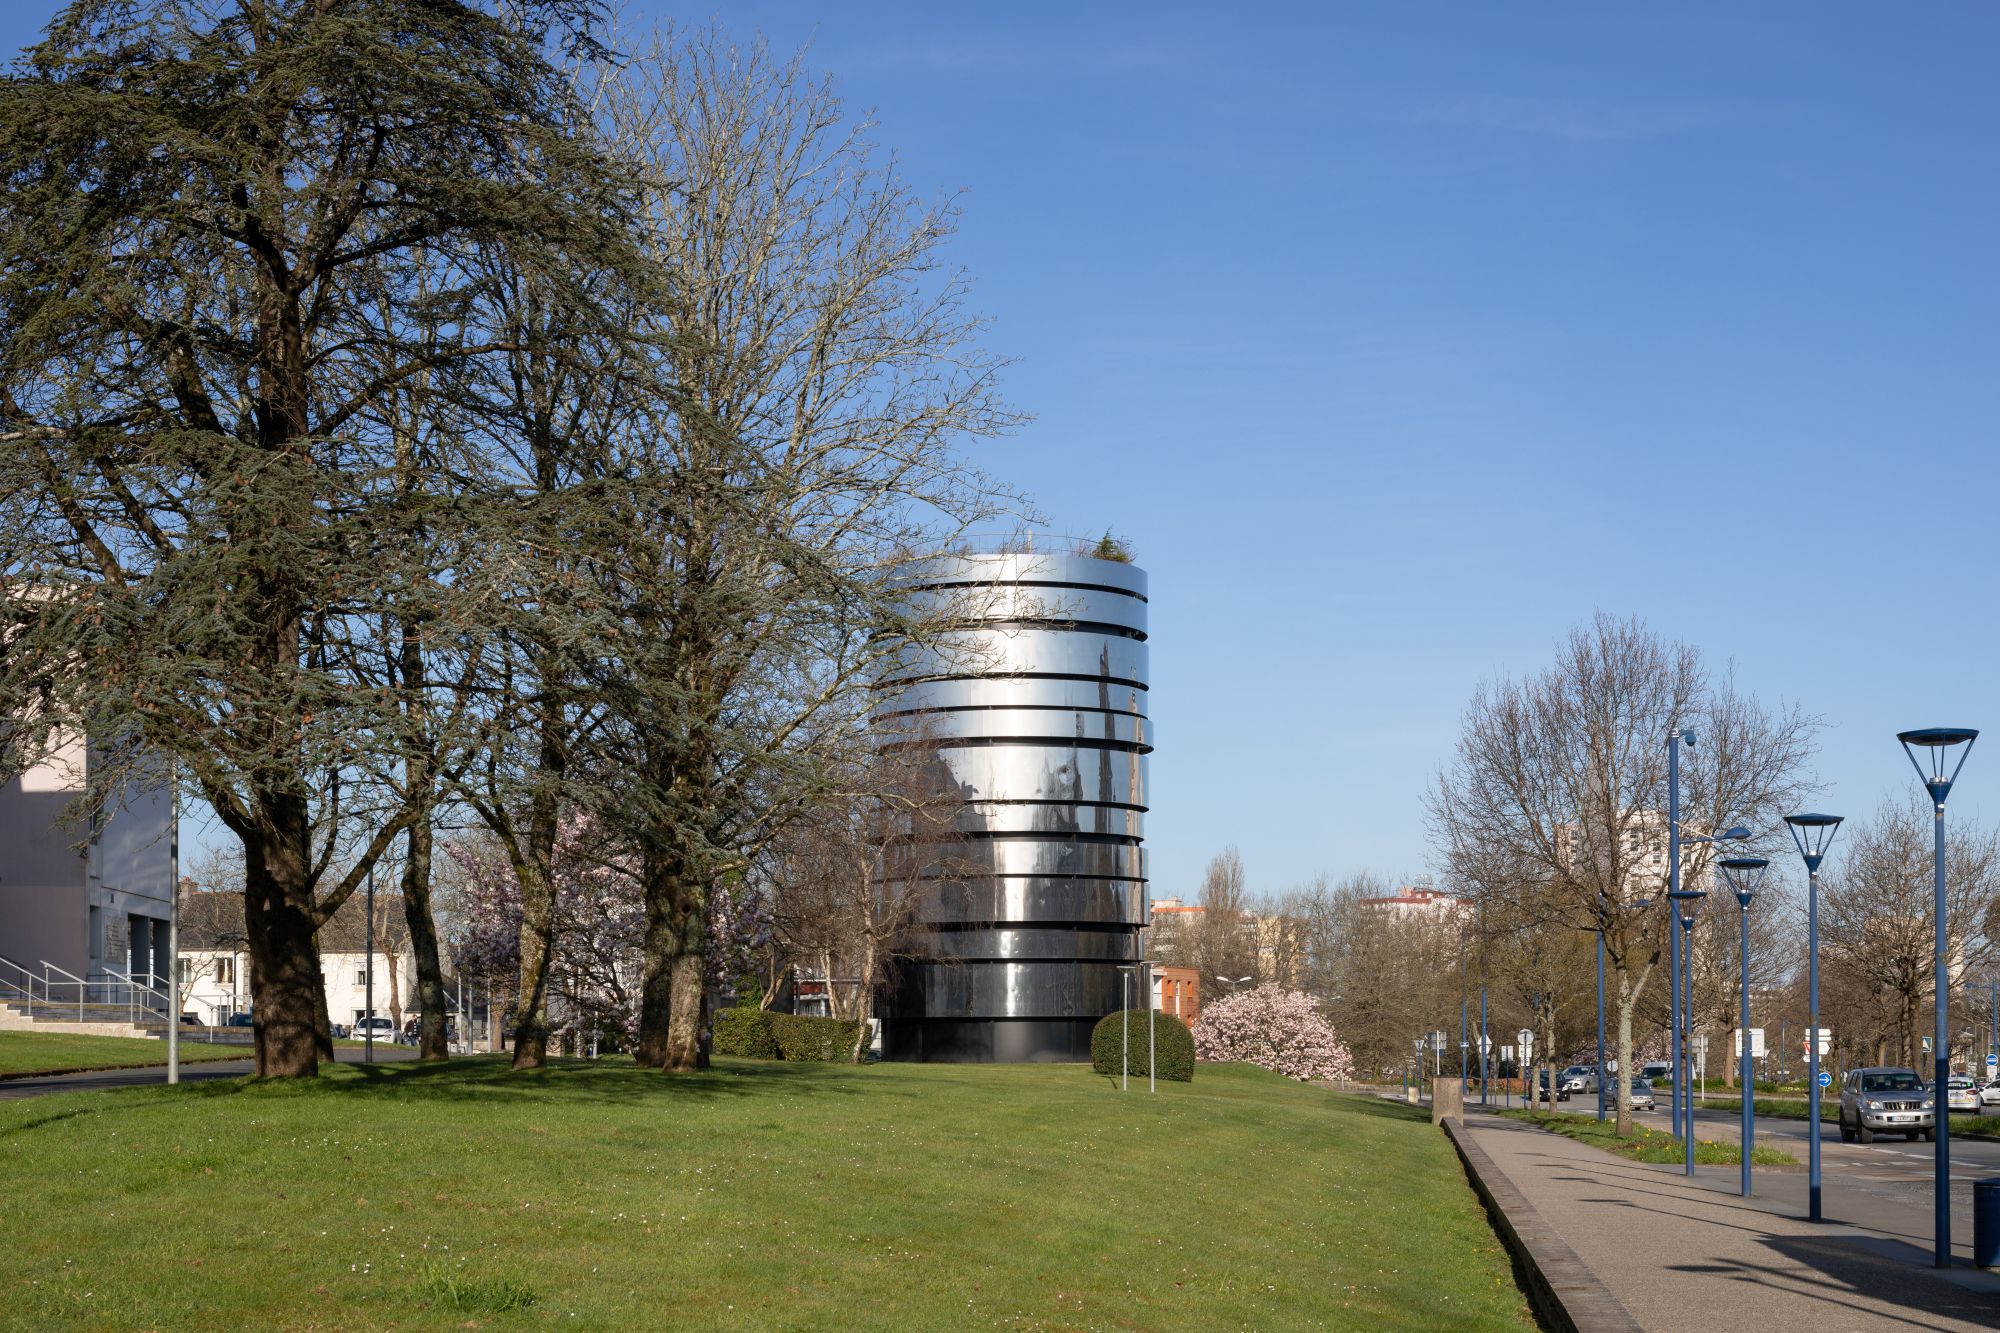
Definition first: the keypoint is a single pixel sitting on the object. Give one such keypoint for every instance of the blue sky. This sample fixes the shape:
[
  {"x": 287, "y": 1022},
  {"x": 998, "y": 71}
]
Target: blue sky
[{"x": 1398, "y": 339}]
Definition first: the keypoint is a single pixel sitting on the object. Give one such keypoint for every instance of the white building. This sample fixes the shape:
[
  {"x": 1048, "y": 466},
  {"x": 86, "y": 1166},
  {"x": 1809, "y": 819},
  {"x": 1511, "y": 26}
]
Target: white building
[
  {"x": 83, "y": 902},
  {"x": 215, "y": 983}
]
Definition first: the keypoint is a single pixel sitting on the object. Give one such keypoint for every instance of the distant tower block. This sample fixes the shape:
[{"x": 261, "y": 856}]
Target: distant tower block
[{"x": 1037, "y": 710}]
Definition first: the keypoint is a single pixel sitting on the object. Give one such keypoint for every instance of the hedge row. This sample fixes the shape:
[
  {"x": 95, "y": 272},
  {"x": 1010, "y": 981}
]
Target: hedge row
[
  {"x": 762, "y": 1035},
  {"x": 1171, "y": 1038}
]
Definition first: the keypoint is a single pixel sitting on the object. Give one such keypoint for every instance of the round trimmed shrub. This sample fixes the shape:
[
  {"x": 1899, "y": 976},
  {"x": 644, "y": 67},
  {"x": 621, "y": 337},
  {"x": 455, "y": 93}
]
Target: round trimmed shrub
[{"x": 1171, "y": 1038}]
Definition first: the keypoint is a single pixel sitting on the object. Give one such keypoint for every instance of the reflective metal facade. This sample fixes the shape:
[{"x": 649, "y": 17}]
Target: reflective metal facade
[{"x": 1037, "y": 710}]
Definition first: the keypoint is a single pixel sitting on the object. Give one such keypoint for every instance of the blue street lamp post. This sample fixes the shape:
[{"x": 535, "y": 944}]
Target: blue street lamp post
[
  {"x": 1744, "y": 874},
  {"x": 1813, "y": 834},
  {"x": 1602, "y": 1077},
  {"x": 1674, "y": 739},
  {"x": 1483, "y": 1046},
  {"x": 1686, "y": 903},
  {"x": 1937, "y": 744}
]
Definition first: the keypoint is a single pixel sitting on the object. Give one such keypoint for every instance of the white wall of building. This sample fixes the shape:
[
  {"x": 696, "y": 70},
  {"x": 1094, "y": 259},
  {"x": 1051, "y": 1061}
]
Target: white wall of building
[{"x": 216, "y": 983}]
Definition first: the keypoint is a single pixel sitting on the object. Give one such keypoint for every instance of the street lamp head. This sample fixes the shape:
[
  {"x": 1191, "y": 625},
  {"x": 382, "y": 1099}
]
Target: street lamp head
[
  {"x": 1937, "y": 743},
  {"x": 1743, "y": 874},
  {"x": 1813, "y": 834},
  {"x": 1735, "y": 834}
]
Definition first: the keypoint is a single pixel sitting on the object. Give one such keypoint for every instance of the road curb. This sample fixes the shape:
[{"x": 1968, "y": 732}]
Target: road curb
[{"x": 1565, "y": 1293}]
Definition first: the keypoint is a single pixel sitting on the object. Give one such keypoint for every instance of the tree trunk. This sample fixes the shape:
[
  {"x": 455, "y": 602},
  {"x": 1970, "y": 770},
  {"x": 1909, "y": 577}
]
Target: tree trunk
[
  {"x": 1626, "y": 993},
  {"x": 531, "y": 1003},
  {"x": 322, "y": 1019},
  {"x": 684, "y": 1027},
  {"x": 864, "y": 999},
  {"x": 279, "y": 921},
  {"x": 660, "y": 871},
  {"x": 431, "y": 1003}
]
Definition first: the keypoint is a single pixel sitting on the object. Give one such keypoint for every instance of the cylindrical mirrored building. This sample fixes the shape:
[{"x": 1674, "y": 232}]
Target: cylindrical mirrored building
[{"x": 1033, "y": 713}]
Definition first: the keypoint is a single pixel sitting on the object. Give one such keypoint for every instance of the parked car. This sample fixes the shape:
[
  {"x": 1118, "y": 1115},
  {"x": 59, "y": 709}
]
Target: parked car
[
  {"x": 340, "y": 1030},
  {"x": 382, "y": 1029},
  {"x": 1961, "y": 1094},
  {"x": 1642, "y": 1093},
  {"x": 1577, "y": 1078},
  {"x": 1885, "y": 1100},
  {"x": 239, "y": 1021},
  {"x": 1990, "y": 1094},
  {"x": 1655, "y": 1070},
  {"x": 191, "y": 1020}
]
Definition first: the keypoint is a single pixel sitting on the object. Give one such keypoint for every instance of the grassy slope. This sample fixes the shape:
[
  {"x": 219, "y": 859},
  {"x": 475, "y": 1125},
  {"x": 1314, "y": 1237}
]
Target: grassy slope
[
  {"x": 23, "y": 1053},
  {"x": 760, "y": 1195}
]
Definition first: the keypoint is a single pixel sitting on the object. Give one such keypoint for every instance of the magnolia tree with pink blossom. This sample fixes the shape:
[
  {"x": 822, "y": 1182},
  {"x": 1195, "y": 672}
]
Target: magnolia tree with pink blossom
[{"x": 1277, "y": 1028}]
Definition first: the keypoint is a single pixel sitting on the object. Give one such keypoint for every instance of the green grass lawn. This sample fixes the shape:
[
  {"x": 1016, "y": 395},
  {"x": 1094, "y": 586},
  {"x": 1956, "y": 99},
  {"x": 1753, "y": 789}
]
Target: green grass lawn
[
  {"x": 756, "y": 1194},
  {"x": 24, "y": 1053},
  {"x": 1648, "y": 1145}
]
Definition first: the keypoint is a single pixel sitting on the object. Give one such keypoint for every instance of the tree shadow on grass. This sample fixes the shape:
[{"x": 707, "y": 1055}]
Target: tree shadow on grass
[
  {"x": 1360, "y": 1104},
  {"x": 569, "y": 1082}
]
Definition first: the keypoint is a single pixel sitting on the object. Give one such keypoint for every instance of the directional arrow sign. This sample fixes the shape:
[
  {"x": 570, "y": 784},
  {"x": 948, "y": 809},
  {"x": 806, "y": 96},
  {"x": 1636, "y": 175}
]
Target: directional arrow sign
[{"x": 1825, "y": 1079}]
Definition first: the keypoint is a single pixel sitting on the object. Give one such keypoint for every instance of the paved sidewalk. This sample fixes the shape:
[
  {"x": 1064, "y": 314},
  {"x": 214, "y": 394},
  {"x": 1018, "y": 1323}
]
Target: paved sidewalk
[
  {"x": 1682, "y": 1254},
  {"x": 98, "y": 1080}
]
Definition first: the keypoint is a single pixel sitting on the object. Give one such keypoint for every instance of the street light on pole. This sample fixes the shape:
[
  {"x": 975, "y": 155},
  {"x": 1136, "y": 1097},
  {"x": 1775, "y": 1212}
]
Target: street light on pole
[
  {"x": 1683, "y": 904},
  {"x": 1743, "y": 875},
  {"x": 1937, "y": 744},
  {"x": 1813, "y": 834}
]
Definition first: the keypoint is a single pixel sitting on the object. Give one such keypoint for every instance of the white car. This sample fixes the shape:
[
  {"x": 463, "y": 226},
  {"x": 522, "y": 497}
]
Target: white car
[
  {"x": 381, "y": 1028},
  {"x": 1961, "y": 1094},
  {"x": 1990, "y": 1094}
]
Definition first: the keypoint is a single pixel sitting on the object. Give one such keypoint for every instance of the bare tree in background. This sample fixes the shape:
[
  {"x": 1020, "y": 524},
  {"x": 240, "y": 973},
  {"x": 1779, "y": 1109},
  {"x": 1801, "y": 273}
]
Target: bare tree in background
[
  {"x": 1555, "y": 800},
  {"x": 853, "y": 876},
  {"x": 816, "y": 372},
  {"x": 1878, "y": 916}
]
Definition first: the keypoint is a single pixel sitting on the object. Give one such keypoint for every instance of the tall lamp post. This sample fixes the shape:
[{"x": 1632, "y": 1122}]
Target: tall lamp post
[
  {"x": 1937, "y": 743},
  {"x": 1602, "y": 1077},
  {"x": 1683, "y": 904},
  {"x": 1674, "y": 739},
  {"x": 1813, "y": 834},
  {"x": 1743, "y": 875}
]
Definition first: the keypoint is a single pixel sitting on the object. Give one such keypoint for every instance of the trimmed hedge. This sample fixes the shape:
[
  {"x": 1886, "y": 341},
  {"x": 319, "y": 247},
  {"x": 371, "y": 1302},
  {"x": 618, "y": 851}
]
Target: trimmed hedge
[
  {"x": 1175, "y": 1044},
  {"x": 744, "y": 1032},
  {"x": 762, "y": 1035}
]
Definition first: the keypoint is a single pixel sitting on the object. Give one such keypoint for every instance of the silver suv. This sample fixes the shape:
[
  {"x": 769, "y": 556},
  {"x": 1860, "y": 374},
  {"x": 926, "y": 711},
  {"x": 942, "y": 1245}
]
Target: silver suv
[{"x": 1885, "y": 1101}]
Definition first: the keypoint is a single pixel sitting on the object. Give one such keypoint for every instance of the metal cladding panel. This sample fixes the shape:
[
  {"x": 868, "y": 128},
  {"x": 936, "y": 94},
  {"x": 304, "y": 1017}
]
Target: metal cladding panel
[
  {"x": 1034, "y": 902},
  {"x": 1042, "y": 858},
  {"x": 1036, "y": 708},
  {"x": 967, "y": 989},
  {"x": 1048, "y": 773},
  {"x": 938, "y": 696},
  {"x": 1055, "y": 726},
  {"x": 1059, "y": 571},
  {"x": 1023, "y": 604},
  {"x": 1067, "y": 943},
  {"x": 1006, "y": 651}
]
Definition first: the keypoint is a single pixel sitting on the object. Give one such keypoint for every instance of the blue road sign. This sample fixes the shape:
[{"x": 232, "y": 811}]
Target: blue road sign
[{"x": 1825, "y": 1079}]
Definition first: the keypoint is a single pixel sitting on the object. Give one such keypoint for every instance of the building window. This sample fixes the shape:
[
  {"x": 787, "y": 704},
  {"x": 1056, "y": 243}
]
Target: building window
[
  {"x": 361, "y": 976},
  {"x": 225, "y": 975}
]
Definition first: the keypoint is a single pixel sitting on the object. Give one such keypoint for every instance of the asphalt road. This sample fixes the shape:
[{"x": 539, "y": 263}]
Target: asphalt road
[{"x": 14, "y": 1089}]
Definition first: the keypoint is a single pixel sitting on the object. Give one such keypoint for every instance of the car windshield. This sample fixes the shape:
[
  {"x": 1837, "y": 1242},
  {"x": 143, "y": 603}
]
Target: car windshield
[
  {"x": 1641, "y": 1085},
  {"x": 1900, "y": 1080}
]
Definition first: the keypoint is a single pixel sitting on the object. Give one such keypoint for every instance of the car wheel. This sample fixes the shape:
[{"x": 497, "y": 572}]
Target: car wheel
[
  {"x": 1865, "y": 1134},
  {"x": 1930, "y": 1136}
]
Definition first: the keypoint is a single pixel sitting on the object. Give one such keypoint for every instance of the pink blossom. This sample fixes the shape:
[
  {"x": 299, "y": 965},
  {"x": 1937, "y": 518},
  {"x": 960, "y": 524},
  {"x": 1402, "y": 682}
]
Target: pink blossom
[{"x": 1277, "y": 1028}]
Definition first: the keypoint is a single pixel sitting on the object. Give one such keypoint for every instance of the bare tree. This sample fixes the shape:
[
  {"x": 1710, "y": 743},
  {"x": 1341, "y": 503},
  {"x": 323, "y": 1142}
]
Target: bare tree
[
  {"x": 859, "y": 871},
  {"x": 1556, "y": 800},
  {"x": 1878, "y": 919},
  {"x": 815, "y": 373}
]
